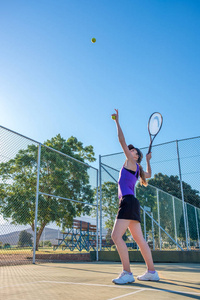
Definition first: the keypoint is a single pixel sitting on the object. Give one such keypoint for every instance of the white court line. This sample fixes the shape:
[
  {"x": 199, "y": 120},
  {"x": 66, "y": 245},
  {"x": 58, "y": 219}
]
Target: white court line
[
  {"x": 97, "y": 285},
  {"x": 126, "y": 295},
  {"x": 103, "y": 285},
  {"x": 75, "y": 283},
  {"x": 121, "y": 287}
]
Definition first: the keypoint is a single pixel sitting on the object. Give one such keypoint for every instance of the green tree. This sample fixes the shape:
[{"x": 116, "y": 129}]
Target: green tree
[
  {"x": 45, "y": 243},
  {"x": 110, "y": 203},
  {"x": 171, "y": 185},
  {"x": 59, "y": 175},
  {"x": 109, "y": 241},
  {"x": 25, "y": 239},
  {"x": 147, "y": 197}
]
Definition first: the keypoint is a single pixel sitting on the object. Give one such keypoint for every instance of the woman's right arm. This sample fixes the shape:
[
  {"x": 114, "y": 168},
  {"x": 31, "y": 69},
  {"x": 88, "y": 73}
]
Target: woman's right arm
[{"x": 121, "y": 137}]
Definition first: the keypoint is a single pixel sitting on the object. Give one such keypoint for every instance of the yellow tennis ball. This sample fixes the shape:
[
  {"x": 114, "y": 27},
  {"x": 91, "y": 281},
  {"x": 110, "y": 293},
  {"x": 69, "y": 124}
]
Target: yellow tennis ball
[
  {"x": 93, "y": 40},
  {"x": 113, "y": 117}
]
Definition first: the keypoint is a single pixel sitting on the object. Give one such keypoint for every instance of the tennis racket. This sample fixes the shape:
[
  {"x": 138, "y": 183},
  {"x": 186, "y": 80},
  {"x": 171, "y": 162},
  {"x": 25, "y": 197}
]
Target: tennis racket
[{"x": 154, "y": 126}]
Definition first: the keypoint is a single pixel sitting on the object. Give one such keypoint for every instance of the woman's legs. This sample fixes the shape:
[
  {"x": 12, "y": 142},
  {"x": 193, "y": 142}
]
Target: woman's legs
[
  {"x": 119, "y": 229},
  {"x": 136, "y": 231}
]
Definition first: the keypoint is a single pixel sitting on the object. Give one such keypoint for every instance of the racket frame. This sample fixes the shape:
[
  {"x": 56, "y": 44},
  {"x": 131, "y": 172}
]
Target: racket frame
[{"x": 154, "y": 135}]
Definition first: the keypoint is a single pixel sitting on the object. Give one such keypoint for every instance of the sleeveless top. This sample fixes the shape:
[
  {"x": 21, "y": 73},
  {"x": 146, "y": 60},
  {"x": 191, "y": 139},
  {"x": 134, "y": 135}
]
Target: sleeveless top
[{"x": 127, "y": 181}]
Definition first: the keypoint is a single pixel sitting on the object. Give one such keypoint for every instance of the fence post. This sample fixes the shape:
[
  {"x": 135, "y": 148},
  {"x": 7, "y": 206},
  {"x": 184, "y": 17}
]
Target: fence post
[
  {"x": 100, "y": 202},
  {"x": 182, "y": 194},
  {"x": 188, "y": 228},
  {"x": 152, "y": 231},
  {"x": 97, "y": 220},
  {"x": 197, "y": 226},
  {"x": 158, "y": 205},
  {"x": 135, "y": 191},
  {"x": 175, "y": 229},
  {"x": 36, "y": 202},
  {"x": 145, "y": 231}
]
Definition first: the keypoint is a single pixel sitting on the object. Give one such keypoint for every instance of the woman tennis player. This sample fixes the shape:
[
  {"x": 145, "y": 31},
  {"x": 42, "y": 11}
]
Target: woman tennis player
[{"x": 128, "y": 215}]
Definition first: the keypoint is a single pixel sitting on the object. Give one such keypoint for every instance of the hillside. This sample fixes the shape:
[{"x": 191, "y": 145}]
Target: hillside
[{"x": 12, "y": 238}]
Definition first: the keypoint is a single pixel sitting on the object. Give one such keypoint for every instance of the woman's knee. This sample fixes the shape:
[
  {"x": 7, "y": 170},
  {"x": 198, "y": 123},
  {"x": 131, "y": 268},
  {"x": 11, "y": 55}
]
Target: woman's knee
[
  {"x": 119, "y": 229},
  {"x": 115, "y": 236}
]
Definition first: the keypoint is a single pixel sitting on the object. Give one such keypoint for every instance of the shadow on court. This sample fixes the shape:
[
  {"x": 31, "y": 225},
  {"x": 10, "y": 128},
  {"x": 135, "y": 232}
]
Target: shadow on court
[{"x": 94, "y": 281}]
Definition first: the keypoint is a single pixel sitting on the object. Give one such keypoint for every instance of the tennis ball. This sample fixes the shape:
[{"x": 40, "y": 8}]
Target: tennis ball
[
  {"x": 113, "y": 117},
  {"x": 93, "y": 40}
]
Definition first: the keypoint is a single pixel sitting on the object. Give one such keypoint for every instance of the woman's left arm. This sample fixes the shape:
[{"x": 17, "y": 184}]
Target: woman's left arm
[{"x": 148, "y": 171}]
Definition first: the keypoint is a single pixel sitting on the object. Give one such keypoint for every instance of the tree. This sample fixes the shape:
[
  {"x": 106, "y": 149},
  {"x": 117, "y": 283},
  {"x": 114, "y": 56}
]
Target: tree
[
  {"x": 171, "y": 185},
  {"x": 147, "y": 197},
  {"x": 110, "y": 203},
  {"x": 25, "y": 239},
  {"x": 59, "y": 176},
  {"x": 45, "y": 243},
  {"x": 109, "y": 241}
]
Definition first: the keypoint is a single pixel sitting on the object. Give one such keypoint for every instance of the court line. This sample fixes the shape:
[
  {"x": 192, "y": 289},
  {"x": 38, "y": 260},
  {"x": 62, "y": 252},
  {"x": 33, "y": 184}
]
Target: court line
[
  {"x": 73, "y": 283},
  {"x": 120, "y": 287},
  {"x": 103, "y": 285},
  {"x": 97, "y": 285},
  {"x": 126, "y": 294}
]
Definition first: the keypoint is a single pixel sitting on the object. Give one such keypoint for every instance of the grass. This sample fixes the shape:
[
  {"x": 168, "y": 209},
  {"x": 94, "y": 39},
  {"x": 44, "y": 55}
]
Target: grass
[
  {"x": 45, "y": 250},
  {"x": 49, "y": 250}
]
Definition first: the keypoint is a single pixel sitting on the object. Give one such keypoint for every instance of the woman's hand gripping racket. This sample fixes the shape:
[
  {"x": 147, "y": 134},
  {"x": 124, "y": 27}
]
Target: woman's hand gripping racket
[{"x": 154, "y": 126}]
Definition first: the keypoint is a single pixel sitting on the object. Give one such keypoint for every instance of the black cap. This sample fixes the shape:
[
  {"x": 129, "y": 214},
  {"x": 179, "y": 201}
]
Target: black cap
[{"x": 138, "y": 151}]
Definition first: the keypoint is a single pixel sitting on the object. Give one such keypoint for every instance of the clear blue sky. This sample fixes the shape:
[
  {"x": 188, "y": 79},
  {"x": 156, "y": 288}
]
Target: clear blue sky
[{"x": 54, "y": 80}]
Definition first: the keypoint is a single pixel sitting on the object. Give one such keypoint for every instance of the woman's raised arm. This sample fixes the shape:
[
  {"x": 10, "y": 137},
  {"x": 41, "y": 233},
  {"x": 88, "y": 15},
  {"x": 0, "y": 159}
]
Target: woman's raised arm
[{"x": 121, "y": 136}]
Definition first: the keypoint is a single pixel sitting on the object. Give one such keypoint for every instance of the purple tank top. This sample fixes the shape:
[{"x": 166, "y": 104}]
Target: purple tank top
[{"x": 127, "y": 181}]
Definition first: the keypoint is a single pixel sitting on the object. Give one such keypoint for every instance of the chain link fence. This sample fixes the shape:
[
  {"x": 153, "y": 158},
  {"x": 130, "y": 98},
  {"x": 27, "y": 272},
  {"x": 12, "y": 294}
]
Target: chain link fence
[
  {"x": 48, "y": 202},
  {"x": 170, "y": 204}
]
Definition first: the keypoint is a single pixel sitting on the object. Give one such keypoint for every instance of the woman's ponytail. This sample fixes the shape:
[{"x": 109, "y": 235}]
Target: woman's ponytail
[
  {"x": 142, "y": 176},
  {"x": 142, "y": 173}
]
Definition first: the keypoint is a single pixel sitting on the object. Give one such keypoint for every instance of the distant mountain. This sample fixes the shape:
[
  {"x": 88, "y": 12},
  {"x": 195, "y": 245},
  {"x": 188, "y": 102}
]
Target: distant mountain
[{"x": 47, "y": 235}]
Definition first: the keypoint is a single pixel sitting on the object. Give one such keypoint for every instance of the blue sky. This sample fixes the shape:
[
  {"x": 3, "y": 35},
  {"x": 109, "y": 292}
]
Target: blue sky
[{"x": 54, "y": 80}]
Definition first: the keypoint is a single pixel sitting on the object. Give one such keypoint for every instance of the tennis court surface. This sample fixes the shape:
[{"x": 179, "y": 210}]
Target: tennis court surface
[{"x": 93, "y": 281}]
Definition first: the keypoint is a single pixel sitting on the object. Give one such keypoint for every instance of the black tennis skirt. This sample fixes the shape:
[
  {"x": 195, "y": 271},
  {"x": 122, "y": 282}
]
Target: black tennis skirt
[{"x": 129, "y": 208}]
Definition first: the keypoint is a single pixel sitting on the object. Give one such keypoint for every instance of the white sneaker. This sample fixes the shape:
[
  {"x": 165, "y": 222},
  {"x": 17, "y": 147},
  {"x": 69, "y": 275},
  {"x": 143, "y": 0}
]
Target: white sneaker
[
  {"x": 149, "y": 276},
  {"x": 124, "y": 278}
]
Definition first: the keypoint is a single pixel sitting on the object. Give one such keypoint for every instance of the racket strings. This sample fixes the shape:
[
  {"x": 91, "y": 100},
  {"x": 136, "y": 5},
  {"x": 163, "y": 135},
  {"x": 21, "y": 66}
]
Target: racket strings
[{"x": 155, "y": 123}]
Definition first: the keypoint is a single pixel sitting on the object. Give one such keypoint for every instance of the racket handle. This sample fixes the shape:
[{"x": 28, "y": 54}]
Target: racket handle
[{"x": 150, "y": 145}]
